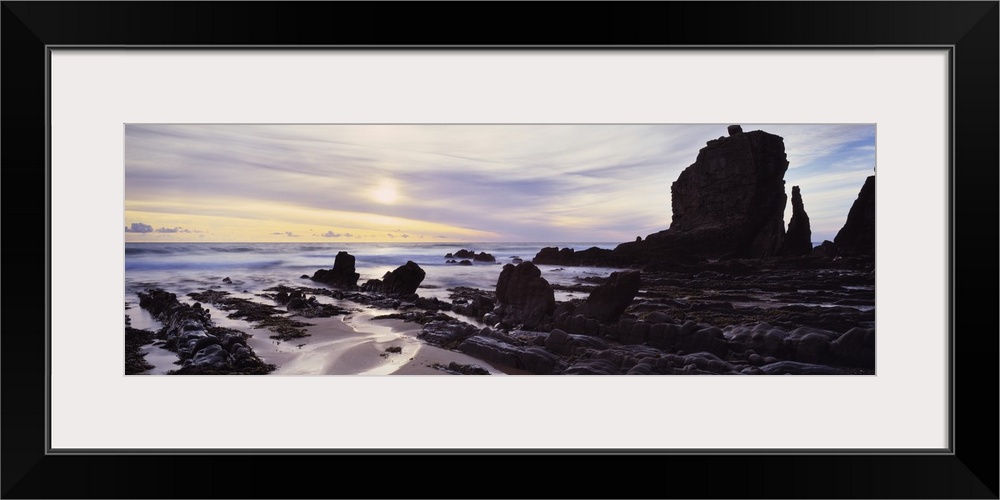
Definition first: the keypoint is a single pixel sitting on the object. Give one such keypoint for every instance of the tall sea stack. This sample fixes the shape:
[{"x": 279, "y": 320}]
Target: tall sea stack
[
  {"x": 798, "y": 238},
  {"x": 729, "y": 204}
]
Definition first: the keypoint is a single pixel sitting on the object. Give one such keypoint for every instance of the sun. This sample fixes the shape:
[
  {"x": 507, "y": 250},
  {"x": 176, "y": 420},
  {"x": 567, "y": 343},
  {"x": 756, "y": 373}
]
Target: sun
[{"x": 385, "y": 192}]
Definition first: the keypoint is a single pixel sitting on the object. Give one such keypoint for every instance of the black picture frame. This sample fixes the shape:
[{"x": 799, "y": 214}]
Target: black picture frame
[{"x": 971, "y": 29}]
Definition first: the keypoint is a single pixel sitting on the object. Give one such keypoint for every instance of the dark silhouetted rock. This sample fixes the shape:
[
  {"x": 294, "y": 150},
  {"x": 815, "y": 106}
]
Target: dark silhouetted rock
[
  {"x": 825, "y": 249},
  {"x": 523, "y": 296},
  {"x": 553, "y": 256},
  {"x": 608, "y": 301},
  {"x": 734, "y": 129},
  {"x": 592, "y": 256},
  {"x": 463, "y": 254},
  {"x": 798, "y": 238},
  {"x": 465, "y": 262},
  {"x": 858, "y": 234},
  {"x": 342, "y": 275},
  {"x": 484, "y": 257},
  {"x": 729, "y": 203},
  {"x": 404, "y": 280}
]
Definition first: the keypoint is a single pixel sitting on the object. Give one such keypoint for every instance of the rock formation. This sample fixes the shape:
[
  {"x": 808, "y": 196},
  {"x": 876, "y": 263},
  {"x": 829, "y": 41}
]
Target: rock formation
[
  {"x": 592, "y": 256},
  {"x": 798, "y": 238},
  {"x": 342, "y": 275},
  {"x": 608, "y": 301},
  {"x": 203, "y": 348},
  {"x": 403, "y": 281},
  {"x": 729, "y": 203},
  {"x": 858, "y": 234},
  {"x": 470, "y": 254},
  {"x": 523, "y": 295}
]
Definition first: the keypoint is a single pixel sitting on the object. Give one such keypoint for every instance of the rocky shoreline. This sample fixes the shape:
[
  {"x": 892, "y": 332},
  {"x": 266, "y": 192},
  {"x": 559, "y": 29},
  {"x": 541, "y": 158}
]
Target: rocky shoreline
[
  {"x": 725, "y": 290},
  {"x": 782, "y": 316}
]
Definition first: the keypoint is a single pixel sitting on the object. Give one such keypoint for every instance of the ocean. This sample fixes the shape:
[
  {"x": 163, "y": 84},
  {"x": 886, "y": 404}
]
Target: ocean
[
  {"x": 252, "y": 267},
  {"x": 181, "y": 268}
]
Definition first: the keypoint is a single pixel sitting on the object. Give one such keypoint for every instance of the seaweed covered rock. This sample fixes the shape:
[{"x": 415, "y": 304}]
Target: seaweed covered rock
[{"x": 203, "y": 349}]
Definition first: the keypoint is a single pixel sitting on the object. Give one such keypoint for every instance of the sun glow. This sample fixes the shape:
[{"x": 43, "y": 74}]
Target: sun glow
[{"x": 385, "y": 192}]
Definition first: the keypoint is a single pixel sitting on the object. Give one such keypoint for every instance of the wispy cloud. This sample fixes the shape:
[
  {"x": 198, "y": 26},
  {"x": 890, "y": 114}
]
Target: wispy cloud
[{"x": 524, "y": 183}]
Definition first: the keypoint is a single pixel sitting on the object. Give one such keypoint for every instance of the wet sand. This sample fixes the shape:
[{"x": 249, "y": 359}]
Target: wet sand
[{"x": 356, "y": 345}]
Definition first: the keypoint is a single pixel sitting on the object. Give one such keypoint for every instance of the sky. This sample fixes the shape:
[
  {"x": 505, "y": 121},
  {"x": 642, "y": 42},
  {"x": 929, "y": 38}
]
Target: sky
[{"x": 450, "y": 183}]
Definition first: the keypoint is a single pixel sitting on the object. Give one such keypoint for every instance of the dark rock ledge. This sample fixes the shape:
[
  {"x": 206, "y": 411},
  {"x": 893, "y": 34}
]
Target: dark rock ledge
[{"x": 203, "y": 348}]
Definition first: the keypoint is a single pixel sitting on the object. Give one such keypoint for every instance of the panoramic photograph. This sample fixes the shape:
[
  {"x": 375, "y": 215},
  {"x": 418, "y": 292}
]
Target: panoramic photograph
[{"x": 618, "y": 249}]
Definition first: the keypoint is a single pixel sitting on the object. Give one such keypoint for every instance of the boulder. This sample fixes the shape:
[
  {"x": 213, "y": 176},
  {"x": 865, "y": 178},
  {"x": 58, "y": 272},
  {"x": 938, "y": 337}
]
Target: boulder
[
  {"x": 608, "y": 301},
  {"x": 403, "y": 281},
  {"x": 858, "y": 234},
  {"x": 343, "y": 273},
  {"x": 523, "y": 296}
]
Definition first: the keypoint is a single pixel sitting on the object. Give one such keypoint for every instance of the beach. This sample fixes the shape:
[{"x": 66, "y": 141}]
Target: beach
[
  {"x": 350, "y": 344},
  {"x": 795, "y": 316}
]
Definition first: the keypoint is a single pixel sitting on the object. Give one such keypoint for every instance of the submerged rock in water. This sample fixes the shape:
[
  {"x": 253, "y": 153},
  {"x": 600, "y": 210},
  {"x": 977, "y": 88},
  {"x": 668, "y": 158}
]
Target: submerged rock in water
[
  {"x": 342, "y": 275},
  {"x": 592, "y": 256},
  {"x": 403, "y": 281}
]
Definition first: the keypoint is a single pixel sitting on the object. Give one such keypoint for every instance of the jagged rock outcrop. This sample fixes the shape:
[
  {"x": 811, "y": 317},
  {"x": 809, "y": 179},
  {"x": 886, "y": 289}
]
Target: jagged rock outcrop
[
  {"x": 608, "y": 301},
  {"x": 342, "y": 275},
  {"x": 592, "y": 256},
  {"x": 203, "y": 348},
  {"x": 729, "y": 203},
  {"x": 523, "y": 295},
  {"x": 798, "y": 238},
  {"x": 471, "y": 254},
  {"x": 403, "y": 281},
  {"x": 858, "y": 234}
]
